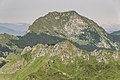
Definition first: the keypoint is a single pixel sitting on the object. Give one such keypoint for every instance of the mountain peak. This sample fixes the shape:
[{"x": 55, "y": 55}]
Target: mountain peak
[
  {"x": 56, "y": 12},
  {"x": 74, "y": 27}
]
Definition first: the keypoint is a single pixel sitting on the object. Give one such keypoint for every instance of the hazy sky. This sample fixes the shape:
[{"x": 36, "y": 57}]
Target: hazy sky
[{"x": 101, "y": 11}]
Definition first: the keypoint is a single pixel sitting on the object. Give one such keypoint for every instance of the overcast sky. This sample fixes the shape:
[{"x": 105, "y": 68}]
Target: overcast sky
[{"x": 101, "y": 11}]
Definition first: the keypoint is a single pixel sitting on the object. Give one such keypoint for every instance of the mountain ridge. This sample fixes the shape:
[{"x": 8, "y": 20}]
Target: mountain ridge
[
  {"x": 74, "y": 27},
  {"x": 17, "y": 29},
  {"x": 116, "y": 33},
  {"x": 56, "y": 48},
  {"x": 61, "y": 61}
]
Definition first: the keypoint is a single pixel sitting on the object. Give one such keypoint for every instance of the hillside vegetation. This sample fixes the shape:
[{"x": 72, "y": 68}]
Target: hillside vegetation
[{"x": 60, "y": 46}]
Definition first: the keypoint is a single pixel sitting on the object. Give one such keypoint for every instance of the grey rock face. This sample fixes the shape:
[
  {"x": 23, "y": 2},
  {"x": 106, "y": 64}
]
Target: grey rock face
[{"x": 74, "y": 27}]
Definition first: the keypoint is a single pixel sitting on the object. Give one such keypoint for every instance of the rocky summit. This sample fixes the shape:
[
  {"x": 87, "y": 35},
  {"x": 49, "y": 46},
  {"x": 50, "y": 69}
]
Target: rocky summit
[
  {"x": 62, "y": 61},
  {"x": 70, "y": 25},
  {"x": 61, "y": 46}
]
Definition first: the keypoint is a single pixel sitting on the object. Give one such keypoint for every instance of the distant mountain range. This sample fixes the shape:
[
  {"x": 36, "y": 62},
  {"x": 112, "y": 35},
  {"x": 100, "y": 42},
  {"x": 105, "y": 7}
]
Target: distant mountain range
[
  {"x": 111, "y": 28},
  {"x": 60, "y": 46},
  {"x": 116, "y": 33},
  {"x": 14, "y": 29},
  {"x": 20, "y": 29}
]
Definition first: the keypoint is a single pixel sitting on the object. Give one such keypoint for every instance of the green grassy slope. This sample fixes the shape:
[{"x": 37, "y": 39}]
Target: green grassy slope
[
  {"x": 64, "y": 61},
  {"x": 7, "y": 46}
]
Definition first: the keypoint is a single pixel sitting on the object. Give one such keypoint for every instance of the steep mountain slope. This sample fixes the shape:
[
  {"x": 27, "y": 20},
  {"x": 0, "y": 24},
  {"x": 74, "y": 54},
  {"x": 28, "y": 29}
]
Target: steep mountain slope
[
  {"x": 115, "y": 37},
  {"x": 32, "y": 39},
  {"x": 7, "y": 46},
  {"x": 72, "y": 26},
  {"x": 62, "y": 61},
  {"x": 53, "y": 50}
]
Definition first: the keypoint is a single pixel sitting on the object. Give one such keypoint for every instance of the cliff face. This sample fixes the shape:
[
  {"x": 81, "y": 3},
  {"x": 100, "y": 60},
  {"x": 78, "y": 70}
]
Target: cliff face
[
  {"x": 74, "y": 27},
  {"x": 53, "y": 50},
  {"x": 61, "y": 62}
]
